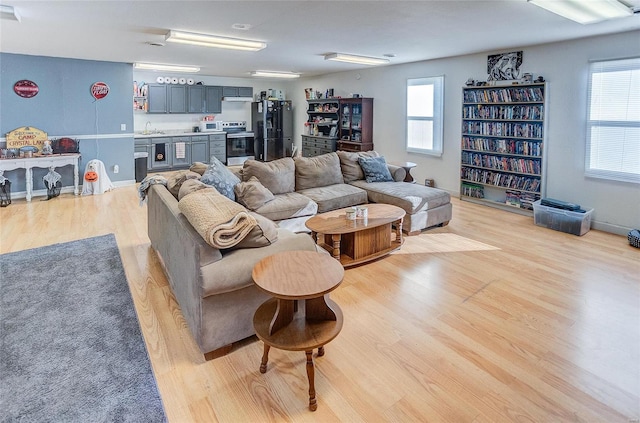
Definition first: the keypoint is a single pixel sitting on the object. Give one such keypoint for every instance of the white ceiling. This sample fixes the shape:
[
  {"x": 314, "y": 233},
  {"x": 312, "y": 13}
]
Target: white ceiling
[{"x": 298, "y": 33}]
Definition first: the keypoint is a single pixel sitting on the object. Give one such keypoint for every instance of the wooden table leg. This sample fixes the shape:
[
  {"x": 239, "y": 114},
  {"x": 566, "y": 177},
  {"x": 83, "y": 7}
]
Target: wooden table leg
[
  {"x": 314, "y": 237},
  {"x": 336, "y": 246},
  {"x": 265, "y": 358},
  {"x": 321, "y": 351},
  {"x": 399, "y": 231},
  {"x": 313, "y": 404}
]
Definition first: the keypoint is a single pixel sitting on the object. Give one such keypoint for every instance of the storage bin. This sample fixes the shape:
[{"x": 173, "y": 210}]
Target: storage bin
[
  {"x": 571, "y": 222},
  {"x": 140, "y": 161}
]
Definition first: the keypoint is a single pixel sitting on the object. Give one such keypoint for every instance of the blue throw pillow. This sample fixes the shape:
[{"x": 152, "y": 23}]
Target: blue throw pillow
[
  {"x": 221, "y": 178},
  {"x": 375, "y": 169}
]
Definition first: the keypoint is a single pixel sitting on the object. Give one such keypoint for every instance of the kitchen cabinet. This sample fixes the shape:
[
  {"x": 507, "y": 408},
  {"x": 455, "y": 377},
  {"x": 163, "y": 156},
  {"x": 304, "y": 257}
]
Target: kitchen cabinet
[
  {"x": 213, "y": 99},
  {"x": 181, "y": 151},
  {"x": 196, "y": 98},
  {"x": 177, "y": 95},
  {"x": 218, "y": 147},
  {"x": 156, "y": 146},
  {"x": 200, "y": 149},
  {"x": 157, "y": 99},
  {"x": 237, "y": 91}
]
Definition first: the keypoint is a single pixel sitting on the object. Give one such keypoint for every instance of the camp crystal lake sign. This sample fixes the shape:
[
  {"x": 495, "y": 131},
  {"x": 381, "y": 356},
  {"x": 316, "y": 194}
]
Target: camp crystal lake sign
[{"x": 26, "y": 136}]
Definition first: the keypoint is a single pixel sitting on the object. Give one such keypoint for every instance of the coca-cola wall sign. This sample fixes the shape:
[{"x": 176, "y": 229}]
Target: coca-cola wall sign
[
  {"x": 25, "y": 88},
  {"x": 99, "y": 90}
]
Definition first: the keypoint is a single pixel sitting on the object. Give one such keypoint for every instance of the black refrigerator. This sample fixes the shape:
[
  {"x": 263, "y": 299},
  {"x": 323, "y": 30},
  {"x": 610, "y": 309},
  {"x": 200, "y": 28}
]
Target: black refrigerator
[{"x": 272, "y": 125}]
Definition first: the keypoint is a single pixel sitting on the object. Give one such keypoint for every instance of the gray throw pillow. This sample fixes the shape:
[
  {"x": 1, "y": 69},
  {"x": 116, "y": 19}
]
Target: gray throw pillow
[
  {"x": 252, "y": 194},
  {"x": 351, "y": 169},
  {"x": 375, "y": 169},
  {"x": 176, "y": 179},
  {"x": 221, "y": 178}
]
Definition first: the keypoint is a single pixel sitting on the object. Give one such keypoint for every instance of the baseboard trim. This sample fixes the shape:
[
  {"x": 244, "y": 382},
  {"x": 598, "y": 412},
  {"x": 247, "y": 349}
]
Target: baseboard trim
[{"x": 66, "y": 190}]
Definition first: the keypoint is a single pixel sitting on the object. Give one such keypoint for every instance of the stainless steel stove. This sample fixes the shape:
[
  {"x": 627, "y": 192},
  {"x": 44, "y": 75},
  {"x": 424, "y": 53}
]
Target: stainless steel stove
[{"x": 240, "y": 142}]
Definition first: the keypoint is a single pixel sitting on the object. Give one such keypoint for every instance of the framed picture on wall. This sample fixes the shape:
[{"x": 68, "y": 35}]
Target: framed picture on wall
[{"x": 504, "y": 66}]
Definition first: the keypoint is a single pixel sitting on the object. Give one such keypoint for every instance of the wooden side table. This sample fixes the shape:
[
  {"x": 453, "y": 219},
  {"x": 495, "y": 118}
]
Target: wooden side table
[{"x": 298, "y": 278}]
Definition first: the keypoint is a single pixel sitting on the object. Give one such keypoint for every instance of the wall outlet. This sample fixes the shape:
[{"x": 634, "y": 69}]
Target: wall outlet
[
  {"x": 116, "y": 168},
  {"x": 123, "y": 126}
]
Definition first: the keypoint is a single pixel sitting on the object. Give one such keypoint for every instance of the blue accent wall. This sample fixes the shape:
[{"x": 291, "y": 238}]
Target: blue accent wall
[{"x": 64, "y": 107}]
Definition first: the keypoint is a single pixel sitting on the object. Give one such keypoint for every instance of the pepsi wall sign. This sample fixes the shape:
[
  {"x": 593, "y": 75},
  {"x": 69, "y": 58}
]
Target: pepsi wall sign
[
  {"x": 25, "y": 88},
  {"x": 99, "y": 90}
]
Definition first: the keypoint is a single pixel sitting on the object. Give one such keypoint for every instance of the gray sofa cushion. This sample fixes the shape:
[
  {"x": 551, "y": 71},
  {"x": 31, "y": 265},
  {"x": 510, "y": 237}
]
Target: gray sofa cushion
[
  {"x": 410, "y": 197},
  {"x": 351, "y": 170},
  {"x": 318, "y": 171},
  {"x": 278, "y": 176},
  {"x": 336, "y": 196},
  {"x": 191, "y": 185},
  {"x": 263, "y": 234},
  {"x": 252, "y": 194},
  {"x": 288, "y": 205}
]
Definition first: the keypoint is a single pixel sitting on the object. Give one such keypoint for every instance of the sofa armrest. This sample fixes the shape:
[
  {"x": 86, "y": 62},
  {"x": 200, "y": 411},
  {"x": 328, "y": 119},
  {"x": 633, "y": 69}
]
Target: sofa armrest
[{"x": 397, "y": 173}]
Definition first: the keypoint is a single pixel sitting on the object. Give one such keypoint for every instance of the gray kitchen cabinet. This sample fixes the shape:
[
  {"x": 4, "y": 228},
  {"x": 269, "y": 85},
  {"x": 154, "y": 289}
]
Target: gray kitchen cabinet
[
  {"x": 181, "y": 151},
  {"x": 200, "y": 149},
  {"x": 237, "y": 91},
  {"x": 164, "y": 162},
  {"x": 218, "y": 147},
  {"x": 157, "y": 98},
  {"x": 196, "y": 98},
  {"x": 213, "y": 99},
  {"x": 177, "y": 95}
]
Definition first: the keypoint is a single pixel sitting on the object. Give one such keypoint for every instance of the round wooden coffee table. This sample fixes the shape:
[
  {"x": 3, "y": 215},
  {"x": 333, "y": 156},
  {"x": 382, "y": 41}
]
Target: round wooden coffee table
[
  {"x": 358, "y": 241},
  {"x": 290, "y": 276}
]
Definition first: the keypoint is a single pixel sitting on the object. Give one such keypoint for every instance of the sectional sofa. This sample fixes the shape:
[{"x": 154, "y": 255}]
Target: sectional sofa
[{"x": 213, "y": 285}]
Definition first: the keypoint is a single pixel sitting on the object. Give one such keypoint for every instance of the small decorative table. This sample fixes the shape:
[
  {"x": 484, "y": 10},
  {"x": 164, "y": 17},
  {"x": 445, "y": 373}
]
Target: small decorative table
[
  {"x": 54, "y": 160},
  {"x": 298, "y": 279},
  {"x": 407, "y": 166}
]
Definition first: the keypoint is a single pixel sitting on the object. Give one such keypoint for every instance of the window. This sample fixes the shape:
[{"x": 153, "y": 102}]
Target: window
[
  {"x": 424, "y": 115},
  {"x": 613, "y": 124}
]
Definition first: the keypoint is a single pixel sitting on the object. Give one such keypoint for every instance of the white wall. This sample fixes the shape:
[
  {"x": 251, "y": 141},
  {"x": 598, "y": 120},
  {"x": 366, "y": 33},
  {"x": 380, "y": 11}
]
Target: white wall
[{"x": 563, "y": 65}]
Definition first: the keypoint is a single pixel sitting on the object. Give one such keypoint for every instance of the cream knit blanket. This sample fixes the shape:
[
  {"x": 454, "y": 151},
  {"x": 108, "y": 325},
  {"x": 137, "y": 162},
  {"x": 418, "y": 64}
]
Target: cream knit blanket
[{"x": 222, "y": 222}]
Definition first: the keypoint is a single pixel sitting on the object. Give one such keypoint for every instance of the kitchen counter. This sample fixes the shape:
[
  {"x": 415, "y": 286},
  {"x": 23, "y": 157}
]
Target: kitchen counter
[{"x": 173, "y": 134}]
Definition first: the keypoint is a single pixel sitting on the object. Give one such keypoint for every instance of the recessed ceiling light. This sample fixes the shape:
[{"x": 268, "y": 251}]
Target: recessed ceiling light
[
  {"x": 272, "y": 74},
  {"x": 8, "y": 12},
  {"x": 166, "y": 68},
  {"x": 360, "y": 60},
  {"x": 242, "y": 27},
  {"x": 205, "y": 40}
]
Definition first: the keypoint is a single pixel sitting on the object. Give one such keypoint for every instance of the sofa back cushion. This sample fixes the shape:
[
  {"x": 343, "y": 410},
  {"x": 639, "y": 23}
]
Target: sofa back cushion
[
  {"x": 351, "y": 169},
  {"x": 319, "y": 171},
  {"x": 176, "y": 179},
  {"x": 252, "y": 194},
  {"x": 278, "y": 176}
]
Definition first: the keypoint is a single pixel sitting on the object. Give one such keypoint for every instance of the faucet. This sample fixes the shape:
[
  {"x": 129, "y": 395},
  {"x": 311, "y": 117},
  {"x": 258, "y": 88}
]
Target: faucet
[{"x": 146, "y": 127}]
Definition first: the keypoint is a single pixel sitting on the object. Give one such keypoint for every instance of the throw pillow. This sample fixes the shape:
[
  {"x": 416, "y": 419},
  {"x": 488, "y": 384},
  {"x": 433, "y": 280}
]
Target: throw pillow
[
  {"x": 252, "y": 194},
  {"x": 375, "y": 169},
  {"x": 278, "y": 176},
  {"x": 198, "y": 167},
  {"x": 176, "y": 179},
  {"x": 190, "y": 186},
  {"x": 351, "y": 169},
  {"x": 263, "y": 234},
  {"x": 318, "y": 171},
  {"x": 221, "y": 178}
]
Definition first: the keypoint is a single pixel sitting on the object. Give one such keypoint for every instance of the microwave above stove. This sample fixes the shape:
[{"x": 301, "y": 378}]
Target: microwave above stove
[{"x": 210, "y": 126}]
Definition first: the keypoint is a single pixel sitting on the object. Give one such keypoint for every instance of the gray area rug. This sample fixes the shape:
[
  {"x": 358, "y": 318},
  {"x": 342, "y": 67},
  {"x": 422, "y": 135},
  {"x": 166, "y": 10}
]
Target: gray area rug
[{"x": 72, "y": 350}]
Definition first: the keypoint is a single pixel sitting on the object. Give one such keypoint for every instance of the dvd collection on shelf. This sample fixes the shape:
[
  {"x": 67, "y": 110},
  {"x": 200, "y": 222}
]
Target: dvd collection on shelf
[{"x": 502, "y": 144}]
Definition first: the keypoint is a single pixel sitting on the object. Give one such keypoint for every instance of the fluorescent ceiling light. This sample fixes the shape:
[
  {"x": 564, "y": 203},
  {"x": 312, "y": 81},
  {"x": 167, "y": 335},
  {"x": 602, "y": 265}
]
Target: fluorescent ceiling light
[
  {"x": 585, "y": 11},
  {"x": 213, "y": 41},
  {"x": 271, "y": 74},
  {"x": 360, "y": 60},
  {"x": 166, "y": 68},
  {"x": 8, "y": 12}
]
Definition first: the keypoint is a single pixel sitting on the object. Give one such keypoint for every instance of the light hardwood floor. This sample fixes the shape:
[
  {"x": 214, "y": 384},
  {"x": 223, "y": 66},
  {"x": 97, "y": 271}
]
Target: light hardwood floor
[{"x": 490, "y": 319}]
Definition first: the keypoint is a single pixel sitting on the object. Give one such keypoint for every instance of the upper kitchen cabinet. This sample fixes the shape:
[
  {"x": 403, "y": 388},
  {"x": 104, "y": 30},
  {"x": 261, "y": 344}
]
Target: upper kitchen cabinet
[
  {"x": 237, "y": 91},
  {"x": 213, "y": 99},
  {"x": 177, "y": 98},
  {"x": 157, "y": 99},
  {"x": 196, "y": 95}
]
